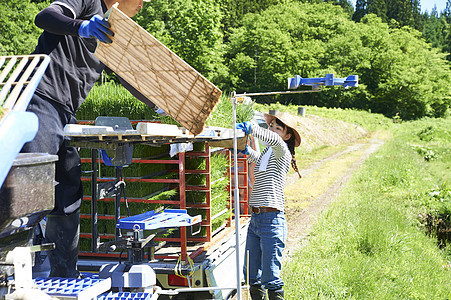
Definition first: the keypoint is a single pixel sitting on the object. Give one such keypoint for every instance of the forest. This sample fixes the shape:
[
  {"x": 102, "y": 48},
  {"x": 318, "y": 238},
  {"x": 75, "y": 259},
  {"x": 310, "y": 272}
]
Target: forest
[{"x": 400, "y": 54}]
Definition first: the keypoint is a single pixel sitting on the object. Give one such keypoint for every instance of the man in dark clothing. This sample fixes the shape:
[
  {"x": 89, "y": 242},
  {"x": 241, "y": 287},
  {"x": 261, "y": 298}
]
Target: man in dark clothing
[{"x": 71, "y": 29}]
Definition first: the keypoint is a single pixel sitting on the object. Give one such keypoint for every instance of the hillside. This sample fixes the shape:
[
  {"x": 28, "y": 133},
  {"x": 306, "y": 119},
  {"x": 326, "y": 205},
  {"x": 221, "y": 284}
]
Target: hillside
[{"x": 317, "y": 131}]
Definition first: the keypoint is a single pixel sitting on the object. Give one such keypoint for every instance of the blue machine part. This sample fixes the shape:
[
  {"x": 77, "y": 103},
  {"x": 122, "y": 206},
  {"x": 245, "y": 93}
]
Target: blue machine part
[
  {"x": 207, "y": 132},
  {"x": 329, "y": 80},
  {"x": 71, "y": 287},
  {"x": 125, "y": 296},
  {"x": 152, "y": 220},
  {"x": 129, "y": 276},
  {"x": 17, "y": 128}
]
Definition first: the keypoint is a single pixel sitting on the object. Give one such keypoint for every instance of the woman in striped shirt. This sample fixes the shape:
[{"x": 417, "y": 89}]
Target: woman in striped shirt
[{"x": 267, "y": 231}]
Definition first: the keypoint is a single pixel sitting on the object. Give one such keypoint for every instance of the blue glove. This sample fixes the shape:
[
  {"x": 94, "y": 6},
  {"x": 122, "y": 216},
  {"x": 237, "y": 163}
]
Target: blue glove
[
  {"x": 246, "y": 150},
  {"x": 97, "y": 27},
  {"x": 245, "y": 126}
]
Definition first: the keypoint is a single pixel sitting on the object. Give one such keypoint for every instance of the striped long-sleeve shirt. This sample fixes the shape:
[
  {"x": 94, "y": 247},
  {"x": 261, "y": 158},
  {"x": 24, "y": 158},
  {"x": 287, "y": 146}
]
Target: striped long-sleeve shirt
[{"x": 269, "y": 185}]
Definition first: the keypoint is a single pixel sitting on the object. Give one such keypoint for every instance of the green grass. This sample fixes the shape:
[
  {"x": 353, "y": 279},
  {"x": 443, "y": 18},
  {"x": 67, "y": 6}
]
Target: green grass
[{"x": 371, "y": 244}]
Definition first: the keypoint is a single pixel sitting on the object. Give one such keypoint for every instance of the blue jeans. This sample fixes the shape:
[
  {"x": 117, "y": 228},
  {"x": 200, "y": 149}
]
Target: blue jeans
[
  {"x": 50, "y": 139},
  {"x": 266, "y": 237},
  {"x": 63, "y": 221}
]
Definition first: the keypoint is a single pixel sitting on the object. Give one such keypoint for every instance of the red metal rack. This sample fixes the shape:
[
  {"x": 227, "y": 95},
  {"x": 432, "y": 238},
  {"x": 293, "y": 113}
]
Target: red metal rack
[
  {"x": 243, "y": 187},
  {"x": 182, "y": 187}
]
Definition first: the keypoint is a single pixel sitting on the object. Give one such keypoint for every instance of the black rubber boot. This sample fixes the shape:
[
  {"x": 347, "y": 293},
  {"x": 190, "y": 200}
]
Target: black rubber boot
[
  {"x": 257, "y": 292},
  {"x": 63, "y": 231},
  {"x": 276, "y": 294}
]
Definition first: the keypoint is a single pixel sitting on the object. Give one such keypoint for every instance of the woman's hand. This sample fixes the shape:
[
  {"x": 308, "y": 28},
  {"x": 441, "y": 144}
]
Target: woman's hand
[{"x": 245, "y": 126}]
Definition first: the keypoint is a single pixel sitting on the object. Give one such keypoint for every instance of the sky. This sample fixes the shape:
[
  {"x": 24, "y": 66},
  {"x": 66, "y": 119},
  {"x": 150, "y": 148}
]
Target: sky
[{"x": 427, "y": 5}]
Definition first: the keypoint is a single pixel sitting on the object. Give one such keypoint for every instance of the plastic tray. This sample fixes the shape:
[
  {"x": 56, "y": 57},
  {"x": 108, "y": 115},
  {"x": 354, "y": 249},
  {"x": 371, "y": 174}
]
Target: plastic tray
[
  {"x": 152, "y": 220},
  {"x": 85, "y": 288}
]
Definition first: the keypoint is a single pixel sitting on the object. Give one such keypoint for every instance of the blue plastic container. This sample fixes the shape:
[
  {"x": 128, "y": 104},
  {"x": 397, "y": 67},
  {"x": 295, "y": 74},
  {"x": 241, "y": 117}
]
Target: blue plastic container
[{"x": 16, "y": 129}]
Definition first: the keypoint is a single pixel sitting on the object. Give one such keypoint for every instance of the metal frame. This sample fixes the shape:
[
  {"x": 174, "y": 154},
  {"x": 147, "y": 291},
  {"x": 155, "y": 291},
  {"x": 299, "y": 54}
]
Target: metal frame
[{"x": 25, "y": 71}]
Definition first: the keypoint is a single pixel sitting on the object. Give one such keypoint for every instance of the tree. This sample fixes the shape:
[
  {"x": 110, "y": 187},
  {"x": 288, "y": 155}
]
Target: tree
[
  {"x": 281, "y": 41},
  {"x": 409, "y": 77},
  {"x": 447, "y": 32},
  {"x": 405, "y": 12},
  {"x": 398, "y": 71},
  {"x": 234, "y": 10},
  {"x": 345, "y": 4},
  {"x": 434, "y": 29},
  {"x": 18, "y": 34},
  {"x": 447, "y": 12},
  {"x": 361, "y": 10},
  {"x": 379, "y": 8}
]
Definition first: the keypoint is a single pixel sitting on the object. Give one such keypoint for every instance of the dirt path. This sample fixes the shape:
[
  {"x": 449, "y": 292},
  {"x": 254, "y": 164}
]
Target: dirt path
[{"x": 300, "y": 222}]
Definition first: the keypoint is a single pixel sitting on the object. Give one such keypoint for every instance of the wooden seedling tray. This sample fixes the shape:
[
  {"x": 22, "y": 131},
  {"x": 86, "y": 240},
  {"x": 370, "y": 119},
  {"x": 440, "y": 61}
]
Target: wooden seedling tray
[{"x": 158, "y": 73}]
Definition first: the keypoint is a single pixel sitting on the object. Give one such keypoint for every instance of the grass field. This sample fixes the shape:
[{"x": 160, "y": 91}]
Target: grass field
[{"x": 372, "y": 242}]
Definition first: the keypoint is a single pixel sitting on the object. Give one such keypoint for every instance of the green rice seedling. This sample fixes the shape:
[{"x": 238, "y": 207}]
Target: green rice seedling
[
  {"x": 111, "y": 99},
  {"x": 85, "y": 207},
  {"x": 196, "y": 179},
  {"x": 219, "y": 165},
  {"x": 85, "y": 225},
  {"x": 109, "y": 226},
  {"x": 195, "y": 197},
  {"x": 222, "y": 115},
  {"x": 219, "y": 196},
  {"x": 219, "y": 221},
  {"x": 137, "y": 208},
  {"x": 195, "y": 163},
  {"x": 172, "y": 194},
  {"x": 84, "y": 244}
]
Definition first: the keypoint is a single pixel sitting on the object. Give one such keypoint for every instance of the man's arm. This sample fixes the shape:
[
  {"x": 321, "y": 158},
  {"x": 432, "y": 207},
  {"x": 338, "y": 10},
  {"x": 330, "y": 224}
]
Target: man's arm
[{"x": 59, "y": 20}]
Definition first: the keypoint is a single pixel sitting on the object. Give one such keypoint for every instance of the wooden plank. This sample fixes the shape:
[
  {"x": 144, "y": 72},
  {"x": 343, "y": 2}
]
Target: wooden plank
[{"x": 158, "y": 73}]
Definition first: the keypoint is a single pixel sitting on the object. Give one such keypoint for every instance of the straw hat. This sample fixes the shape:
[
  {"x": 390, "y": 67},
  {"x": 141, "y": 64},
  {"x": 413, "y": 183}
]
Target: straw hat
[{"x": 289, "y": 121}]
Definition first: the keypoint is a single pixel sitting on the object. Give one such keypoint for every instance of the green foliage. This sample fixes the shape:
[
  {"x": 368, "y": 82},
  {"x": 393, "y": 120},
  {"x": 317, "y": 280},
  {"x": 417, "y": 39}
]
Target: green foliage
[
  {"x": 234, "y": 10},
  {"x": 407, "y": 75},
  {"x": 438, "y": 201},
  {"x": 435, "y": 29},
  {"x": 398, "y": 72},
  {"x": 280, "y": 42},
  {"x": 369, "y": 244},
  {"x": 19, "y": 35},
  {"x": 403, "y": 12}
]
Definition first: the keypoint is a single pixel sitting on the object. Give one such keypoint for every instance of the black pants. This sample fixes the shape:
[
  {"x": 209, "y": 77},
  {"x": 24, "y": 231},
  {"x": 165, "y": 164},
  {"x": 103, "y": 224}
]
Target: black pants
[{"x": 68, "y": 188}]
